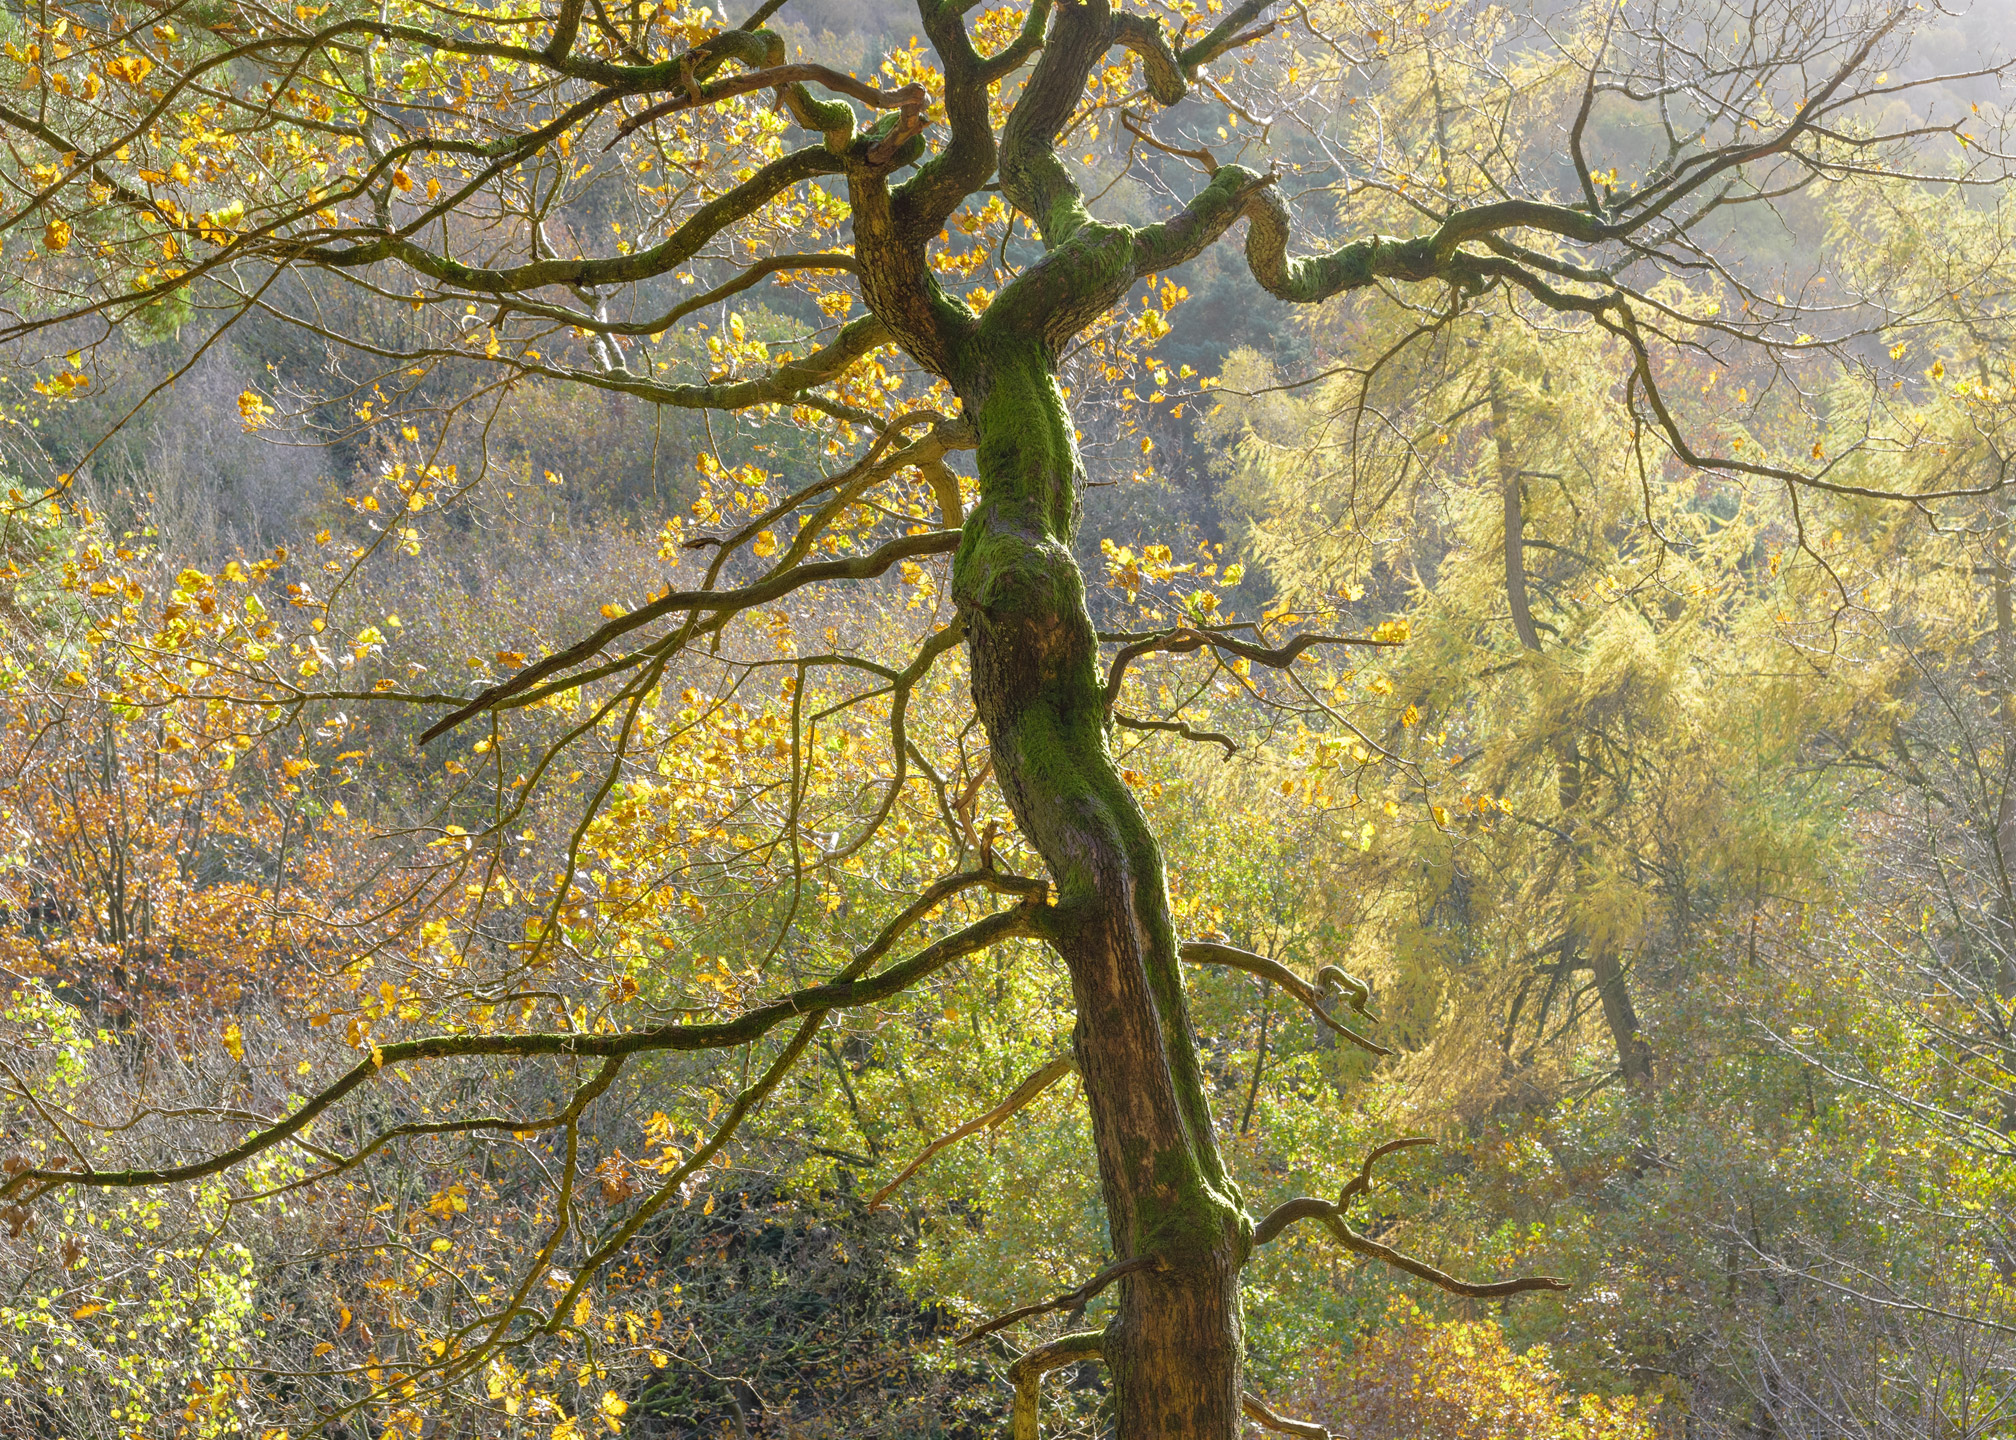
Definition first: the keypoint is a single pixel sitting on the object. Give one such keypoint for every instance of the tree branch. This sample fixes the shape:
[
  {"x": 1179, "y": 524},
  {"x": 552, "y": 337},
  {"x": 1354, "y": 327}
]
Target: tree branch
[
  {"x": 1258, "y": 1412},
  {"x": 1022, "y": 920},
  {"x": 910, "y": 98},
  {"x": 1209, "y": 952},
  {"x": 668, "y": 254},
  {"x": 1071, "y": 1301},
  {"x": 762, "y": 592},
  {"x": 1028, "y": 1372},
  {"x": 1184, "y": 641},
  {"x": 1331, "y": 1215},
  {"x": 1177, "y": 727}
]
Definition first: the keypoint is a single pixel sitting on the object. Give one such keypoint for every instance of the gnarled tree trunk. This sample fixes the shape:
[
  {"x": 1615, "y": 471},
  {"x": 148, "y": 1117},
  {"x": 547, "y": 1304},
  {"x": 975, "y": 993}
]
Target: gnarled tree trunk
[{"x": 1174, "y": 1349}]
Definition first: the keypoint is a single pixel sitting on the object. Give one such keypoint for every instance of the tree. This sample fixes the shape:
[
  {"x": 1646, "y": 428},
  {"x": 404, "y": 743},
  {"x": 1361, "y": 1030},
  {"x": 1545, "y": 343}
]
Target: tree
[
  {"x": 470, "y": 162},
  {"x": 1456, "y": 1379}
]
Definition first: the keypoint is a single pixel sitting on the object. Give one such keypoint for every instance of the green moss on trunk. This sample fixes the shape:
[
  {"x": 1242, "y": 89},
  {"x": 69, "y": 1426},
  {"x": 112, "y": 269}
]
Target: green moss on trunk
[{"x": 1175, "y": 1346}]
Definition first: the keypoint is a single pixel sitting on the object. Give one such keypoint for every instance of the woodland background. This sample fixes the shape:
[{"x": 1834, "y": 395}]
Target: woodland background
[{"x": 1694, "y": 928}]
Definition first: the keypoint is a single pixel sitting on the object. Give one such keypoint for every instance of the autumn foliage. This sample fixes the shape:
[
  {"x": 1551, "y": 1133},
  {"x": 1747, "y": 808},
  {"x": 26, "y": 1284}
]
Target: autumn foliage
[{"x": 1417, "y": 1378}]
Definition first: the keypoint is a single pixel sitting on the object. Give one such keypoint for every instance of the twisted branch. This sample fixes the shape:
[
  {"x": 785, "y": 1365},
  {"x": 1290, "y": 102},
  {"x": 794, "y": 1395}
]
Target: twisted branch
[
  {"x": 1023, "y": 919},
  {"x": 762, "y": 592},
  {"x": 1210, "y": 952},
  {"x": 1331, "y": 1215}
]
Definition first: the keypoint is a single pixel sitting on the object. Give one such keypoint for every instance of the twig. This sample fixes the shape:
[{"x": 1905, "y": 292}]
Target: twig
[{"x": 1027, "y": 1091}]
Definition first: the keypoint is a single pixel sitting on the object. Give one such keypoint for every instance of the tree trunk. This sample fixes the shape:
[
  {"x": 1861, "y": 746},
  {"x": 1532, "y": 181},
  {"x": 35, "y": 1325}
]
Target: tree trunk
[
  {"x": 1175, "y": 1347},
  {"x": 1620, "y": 1016},
  {"x": 1634, "y": 1055},
  {"x": 1515, "y": 523},
  {"x": 2002, "y": 929}
]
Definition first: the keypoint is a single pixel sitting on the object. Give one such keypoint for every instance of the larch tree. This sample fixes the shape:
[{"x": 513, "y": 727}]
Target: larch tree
[{"x": 568, "y": 193}]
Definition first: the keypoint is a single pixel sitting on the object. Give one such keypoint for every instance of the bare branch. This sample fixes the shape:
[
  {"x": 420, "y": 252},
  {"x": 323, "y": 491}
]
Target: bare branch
[
  {"x": 1022, "y": 920},
  {"x": 1256, "y": 1411},
  {"x": 1177, "y": 727},
  {"x": 1022, "y": 1095},
  {"x": 910, "y": 98},
  {"x": 1071, "y": 1301},
  {"x": 1027, "y": 1376},
  {"x": 762, "y": 592},
  {"x": 1331, "y": 1215}
]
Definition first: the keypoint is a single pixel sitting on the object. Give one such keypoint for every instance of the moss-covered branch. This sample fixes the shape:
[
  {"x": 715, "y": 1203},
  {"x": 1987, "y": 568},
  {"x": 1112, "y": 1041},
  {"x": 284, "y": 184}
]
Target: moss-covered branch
[{"x": 1022, "y": 920}]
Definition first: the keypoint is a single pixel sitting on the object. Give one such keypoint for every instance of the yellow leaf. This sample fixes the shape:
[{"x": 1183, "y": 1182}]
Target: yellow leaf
[
  {"x": 234, "y": 1040},
  {"x": 766, "y": 544},
  {"x": 56, "y": 235},
  {"x": 85, "y": 1312},
  {"x": 325, "y": 1347}
]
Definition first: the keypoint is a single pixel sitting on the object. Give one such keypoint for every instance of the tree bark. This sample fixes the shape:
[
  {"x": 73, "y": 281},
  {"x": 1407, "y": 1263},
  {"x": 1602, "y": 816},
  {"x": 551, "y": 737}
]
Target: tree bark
[{"x": 1175, "y": 1347}]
